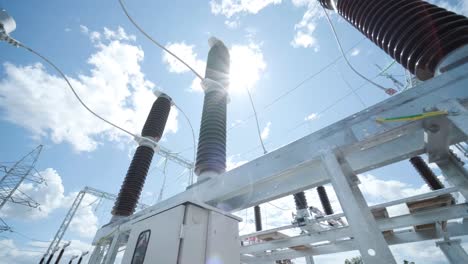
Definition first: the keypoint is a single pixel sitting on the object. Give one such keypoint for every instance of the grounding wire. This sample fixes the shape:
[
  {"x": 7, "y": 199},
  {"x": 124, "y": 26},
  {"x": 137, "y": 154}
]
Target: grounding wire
[
  {"x": 155, "y": 41},
  {"x": 338, "y": 42}
]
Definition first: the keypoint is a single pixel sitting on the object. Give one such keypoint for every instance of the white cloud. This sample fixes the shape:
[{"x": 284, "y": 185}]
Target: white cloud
[
  {"x": 84, "y": 29},
  {"x": 232, "y": 24},
  {"x": 11, "y": 253},
  {"x": 107, "y": 34},
  {"x": 461, "y": 7},
  {"x": 85, "y": 222},
  {"x": 278, "y": 213},
  {"x": 378, "y": 190},
  {"x": 247, "y": 64},
  {"x": 266, "y": 131},
  {"x": 120, "y": 34},
  {"x": 187, "y": 54},
  {"x": 299, "y": 3},
  {"x": 355, "y": 52},
  {"x": 311, "y": 117},
  {"x": 32, "y": 252},
  {"x": 52, "y": 196},
  {"x": 115, "y": 88},
  {"x": 305, "y": 29},
  {"x": 304, "y": 40},
  {"x": 229, "y": 8},
  {"x": 233, "y": 162}
]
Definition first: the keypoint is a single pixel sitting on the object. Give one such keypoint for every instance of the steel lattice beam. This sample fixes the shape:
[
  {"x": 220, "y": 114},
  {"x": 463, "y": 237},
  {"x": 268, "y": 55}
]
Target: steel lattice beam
[
  {"x": 71, "y": 213},
  {"x": 13, "y": 178}
]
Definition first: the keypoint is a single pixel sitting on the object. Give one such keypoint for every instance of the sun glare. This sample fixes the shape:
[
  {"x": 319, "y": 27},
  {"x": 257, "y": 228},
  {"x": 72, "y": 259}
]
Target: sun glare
[{"x": 247, "y": 64}]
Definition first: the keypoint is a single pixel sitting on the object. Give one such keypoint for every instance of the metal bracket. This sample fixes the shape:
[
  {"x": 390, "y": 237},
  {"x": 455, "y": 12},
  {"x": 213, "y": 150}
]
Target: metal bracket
[{"x": 453, "y": 251}]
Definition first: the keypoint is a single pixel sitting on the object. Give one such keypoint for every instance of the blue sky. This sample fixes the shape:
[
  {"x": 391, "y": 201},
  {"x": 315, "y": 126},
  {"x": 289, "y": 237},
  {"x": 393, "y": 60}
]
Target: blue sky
[{"x": 275, "y": 46}]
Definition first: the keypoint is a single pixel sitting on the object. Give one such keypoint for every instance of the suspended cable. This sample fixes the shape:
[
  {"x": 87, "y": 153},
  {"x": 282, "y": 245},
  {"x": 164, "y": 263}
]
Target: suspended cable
[
  {"x": 330, "y": 106},
  {"x": 245, "y": 221},
  {"x": 74, "y": 91},
  {"x": 93, "y": 202},
  {"x": 351, "y": 88},
  {"x": 27, "y": 237},
  {"x": 161, "y": 191},
  {"x": 336, "y": 102},
  {"x": 83, "y": 103},
  {"x": 191, "y": 128},
  {"x": 20, "y": 250},
  {"x": 256, "y": 121},
  {"x": 338, "y": 42},
  {"x": 156, "y": 42},
  {"x": 300, "y": 84},
  {"x": 178, "y": 177},
  {"x": 18, "y": 44},
  {"x": 283, "y": 209}
]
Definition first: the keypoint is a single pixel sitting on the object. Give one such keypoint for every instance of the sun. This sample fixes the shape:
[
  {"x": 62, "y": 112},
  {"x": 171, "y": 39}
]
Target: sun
[{"x": 247, "y": 65}]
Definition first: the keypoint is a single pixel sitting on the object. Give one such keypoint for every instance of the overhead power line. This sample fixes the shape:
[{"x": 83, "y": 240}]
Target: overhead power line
[
  {"x": 287, "y": 92},
  {"x": 389, "y": 91},
  {"x": 157, "y": 43}
]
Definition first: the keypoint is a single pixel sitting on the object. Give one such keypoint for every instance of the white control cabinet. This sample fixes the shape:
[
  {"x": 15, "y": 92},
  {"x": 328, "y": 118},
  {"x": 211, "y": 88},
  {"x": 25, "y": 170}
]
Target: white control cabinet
[{"x": 186, "y": 234}]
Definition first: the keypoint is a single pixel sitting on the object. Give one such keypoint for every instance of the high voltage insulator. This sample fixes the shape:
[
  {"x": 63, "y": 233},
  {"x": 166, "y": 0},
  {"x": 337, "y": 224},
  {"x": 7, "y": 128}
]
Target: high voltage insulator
[
  {"x": 136, "y": 175},
  {"x": 418, "y": 35},
  {"x": 258, "y": 218},
  {"x": 326, "y": 205},
  {"x": 211, "y": 153},
  {"x": 300, "y": 200},
  {"x": 426, "y": 173}
]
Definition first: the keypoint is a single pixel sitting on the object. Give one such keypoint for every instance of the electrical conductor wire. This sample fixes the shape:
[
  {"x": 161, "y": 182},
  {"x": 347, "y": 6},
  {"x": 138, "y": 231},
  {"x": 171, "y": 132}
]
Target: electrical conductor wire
[
  {"x": 256, "y": 121},
  {"x": 300, "y": 84},
  {"x": 191, "y": 128},
  {"x": 86, "y": 106},
  {"x": 156, "y": 42},
  {"x": 74, "y": 91},
  {"x": 338, "y": 42}
]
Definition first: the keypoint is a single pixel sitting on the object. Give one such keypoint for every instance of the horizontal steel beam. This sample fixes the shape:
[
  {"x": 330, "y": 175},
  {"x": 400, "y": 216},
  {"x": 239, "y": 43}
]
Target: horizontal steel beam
[
  {"x": 419, "y": 218},
  {"x": 376, "y": 206},
  {"x": 364, "y": 143},
  {"x": 401, "y": 237}
]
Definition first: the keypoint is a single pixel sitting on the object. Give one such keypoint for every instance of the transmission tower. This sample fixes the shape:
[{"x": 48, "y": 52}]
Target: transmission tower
[
  {"x": 54, "y": 245},
  {"x": 13, "y": 177}
]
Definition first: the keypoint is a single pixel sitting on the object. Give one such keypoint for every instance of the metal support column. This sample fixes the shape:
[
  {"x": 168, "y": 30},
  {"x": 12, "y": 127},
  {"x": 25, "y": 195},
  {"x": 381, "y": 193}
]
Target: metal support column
[
  {"x": 309, "y": 260},
  {"x": 98, "y": 254},
  {"x": 369, "y": 239},
  {"x": 113, "y": 249},
  {"x": 453, "y": 251},
  {"x": 455, "y": 173}
]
